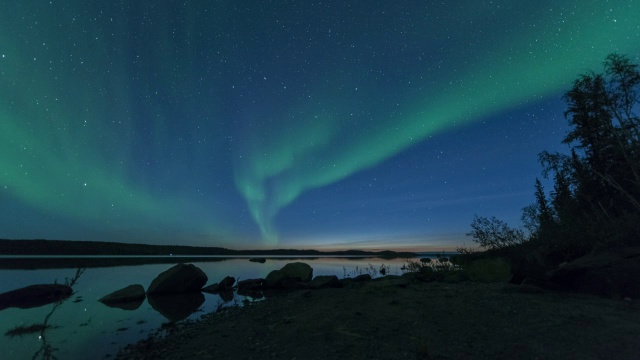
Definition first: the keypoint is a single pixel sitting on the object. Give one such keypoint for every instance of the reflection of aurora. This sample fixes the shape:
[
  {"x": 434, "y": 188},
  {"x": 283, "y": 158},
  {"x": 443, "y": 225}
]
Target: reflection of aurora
[{"x": 116, "y": 123}]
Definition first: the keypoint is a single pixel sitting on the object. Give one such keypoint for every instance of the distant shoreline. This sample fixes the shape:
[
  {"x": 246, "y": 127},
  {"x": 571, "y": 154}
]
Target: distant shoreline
[{"x": 100, "y": 248}]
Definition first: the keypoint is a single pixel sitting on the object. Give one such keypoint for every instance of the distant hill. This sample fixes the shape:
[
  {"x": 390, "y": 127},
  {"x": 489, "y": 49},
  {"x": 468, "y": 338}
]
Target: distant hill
[{"x": 93, "y": 248}]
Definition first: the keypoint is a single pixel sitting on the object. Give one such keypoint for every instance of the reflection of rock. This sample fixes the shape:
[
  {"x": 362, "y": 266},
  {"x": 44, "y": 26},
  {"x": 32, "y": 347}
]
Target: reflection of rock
[
  {"x": 226, "y": 295},
  {"x": 181, "y": 278},
  {"x": 132, "y": 293},
  {"x": 176, "y": 307},
  {"x": 258, "y": 260},
  {"x": 34, "y": 296}
]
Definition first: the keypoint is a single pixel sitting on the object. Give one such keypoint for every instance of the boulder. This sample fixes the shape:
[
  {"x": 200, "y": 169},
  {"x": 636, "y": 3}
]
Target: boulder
[
  {"x": 131, "y": 293},
  {"x": 258, "y": 260},
  {"x": 611, "y": 273},
  {"x": 325, "y": 281},
  {"x": 293, "y": 284},
  {"x": 296, "y": 271},
  {"x": 227, "y": 283},
  {"x": 34, "y": 296},
  {"x": 274, "y": 279},
  {"x": 181, "y": 278}
]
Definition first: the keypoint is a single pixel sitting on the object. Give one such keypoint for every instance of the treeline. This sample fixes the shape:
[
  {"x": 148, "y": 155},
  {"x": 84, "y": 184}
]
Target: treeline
[
  {"x": 595, "y": 200},
  {"x": 94, "y": 248}
]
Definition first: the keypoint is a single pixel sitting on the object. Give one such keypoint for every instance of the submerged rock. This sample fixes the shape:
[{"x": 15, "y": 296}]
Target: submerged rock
[
  {"x": 34, "y": 296},
  {"x": 181, "y": 278}
]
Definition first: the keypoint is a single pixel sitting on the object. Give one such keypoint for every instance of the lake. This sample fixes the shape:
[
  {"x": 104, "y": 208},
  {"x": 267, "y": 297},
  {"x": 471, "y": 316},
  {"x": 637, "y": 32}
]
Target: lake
[{"x": 83, "y": 328}]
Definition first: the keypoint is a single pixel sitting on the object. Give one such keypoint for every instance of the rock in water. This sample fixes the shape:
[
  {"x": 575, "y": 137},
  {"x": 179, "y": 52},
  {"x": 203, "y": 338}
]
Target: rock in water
[
  {"x": 226, "y": 283},
  {"x": 34, "y": 296},
  {"x": 131, "y": 293},
  {"x": 296, "y": 271},
  {"x": 182, "y": 278},
  {"x": 258, "y": 260}
]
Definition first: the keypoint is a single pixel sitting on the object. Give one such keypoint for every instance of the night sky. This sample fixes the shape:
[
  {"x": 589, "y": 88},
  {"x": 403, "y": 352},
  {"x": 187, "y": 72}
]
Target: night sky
[{"x": 308, "y": 124}]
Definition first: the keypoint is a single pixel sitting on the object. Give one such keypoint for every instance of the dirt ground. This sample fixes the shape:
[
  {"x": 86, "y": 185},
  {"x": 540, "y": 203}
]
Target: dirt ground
[{"x": 389, "y": 319}]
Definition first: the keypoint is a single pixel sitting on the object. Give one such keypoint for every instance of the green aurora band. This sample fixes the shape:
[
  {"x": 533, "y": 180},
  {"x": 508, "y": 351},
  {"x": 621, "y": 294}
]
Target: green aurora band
[
  {"x": 72, "y": 143},
  {"x": 536, "y": 60}
]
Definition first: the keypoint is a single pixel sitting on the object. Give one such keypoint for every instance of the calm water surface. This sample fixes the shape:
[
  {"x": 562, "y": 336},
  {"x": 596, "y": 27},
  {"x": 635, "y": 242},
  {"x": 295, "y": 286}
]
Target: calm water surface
[{"x": 83, "y": 328}]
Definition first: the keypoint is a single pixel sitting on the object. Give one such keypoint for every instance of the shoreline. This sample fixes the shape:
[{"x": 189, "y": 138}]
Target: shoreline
[{"x": 391, "y": 318}]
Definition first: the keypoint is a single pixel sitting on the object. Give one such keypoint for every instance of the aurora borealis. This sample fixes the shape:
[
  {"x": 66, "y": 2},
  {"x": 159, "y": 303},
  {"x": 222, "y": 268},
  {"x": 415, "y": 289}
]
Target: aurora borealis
[{"x": 286, "y": 123}]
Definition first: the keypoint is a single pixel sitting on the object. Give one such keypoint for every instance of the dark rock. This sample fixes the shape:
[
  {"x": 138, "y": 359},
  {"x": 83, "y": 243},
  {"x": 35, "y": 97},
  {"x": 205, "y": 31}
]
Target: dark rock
[
  {"x": 34, "y": 296},
  {"x": 425, "y": 260},
  {"x": 325, "y": 281},
  {"x": 611, "y": 273},
  {"x": 293, "y": 284},
  {"x": 296, "y": 271},
  {"x": 128, "y": 305},
  {"x": 176, "y": 307},
  {"x": 274, "y": 279},
  {"x": 227, "y": 283},
  {"x": 258, "y": 260},
  {"x": 130, "y": 294},
  {"x": 250, "y": 284},
  {"x": 181, "y": 278}
]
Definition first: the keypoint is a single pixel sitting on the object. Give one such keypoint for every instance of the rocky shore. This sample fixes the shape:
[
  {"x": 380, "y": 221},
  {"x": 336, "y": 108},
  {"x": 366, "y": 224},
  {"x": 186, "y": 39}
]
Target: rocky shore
[{"x": 404, "y": 318}]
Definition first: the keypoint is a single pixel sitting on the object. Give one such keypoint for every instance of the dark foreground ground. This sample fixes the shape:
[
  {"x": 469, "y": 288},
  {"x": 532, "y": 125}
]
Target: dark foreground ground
[{"x": 389, "y": 319}]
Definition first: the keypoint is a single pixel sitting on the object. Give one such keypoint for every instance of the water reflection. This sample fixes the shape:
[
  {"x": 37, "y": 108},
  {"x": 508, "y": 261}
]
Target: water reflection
[
  {"x": 46, "y": 349},
  {"x": 89, "y": 329},
  {"x": 176, "y": 307}
]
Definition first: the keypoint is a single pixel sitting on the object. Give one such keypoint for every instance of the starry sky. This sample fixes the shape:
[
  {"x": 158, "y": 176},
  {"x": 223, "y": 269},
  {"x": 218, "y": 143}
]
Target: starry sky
[{"x": 286, "y": 124}]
